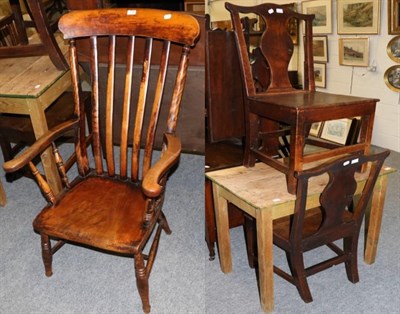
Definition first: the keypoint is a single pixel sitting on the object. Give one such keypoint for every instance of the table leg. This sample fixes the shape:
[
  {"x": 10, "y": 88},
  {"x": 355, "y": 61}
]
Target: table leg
[
  {"x": 222, "y": 222},
  {"x": 39, "y": 124},
  {"x": 265, "y": 259},
  {"x": 210, "y": 228},
  {"x": 375, "y": 219},
  {"x": 3, "y": 197},
  {"x": 367, "y": 124}
]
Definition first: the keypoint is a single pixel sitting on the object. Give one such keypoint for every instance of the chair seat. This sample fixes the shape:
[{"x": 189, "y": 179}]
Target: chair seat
[
  {"x": 318, "y": 105},
  {"x": 100, "y": 212}
]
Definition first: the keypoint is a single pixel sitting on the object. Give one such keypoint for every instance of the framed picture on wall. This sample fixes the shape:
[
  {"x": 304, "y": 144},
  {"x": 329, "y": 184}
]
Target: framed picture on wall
[
  {"x": 358, "y": 16},
  {"x": 392, "y": 78},
  {"x": 394, "y": 17},
  {"x": 322, "y": 9},
  {"x": 320, "y": 74},
  {"x": 320, "y": 48},
  {"x": 336, "y": 130},
  {"x": 354, "y": 51},
  {"x": 393, "y": 49}
]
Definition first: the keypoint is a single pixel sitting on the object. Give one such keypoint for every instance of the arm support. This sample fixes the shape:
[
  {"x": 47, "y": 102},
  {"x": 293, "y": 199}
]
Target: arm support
[
  {"x": 39, "y": 146},
  {"x": 170, "y": 156}
]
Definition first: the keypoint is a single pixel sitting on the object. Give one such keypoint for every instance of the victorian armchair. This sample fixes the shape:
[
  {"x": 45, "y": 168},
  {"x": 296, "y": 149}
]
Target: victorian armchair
[{"x": 115, "y": 204}]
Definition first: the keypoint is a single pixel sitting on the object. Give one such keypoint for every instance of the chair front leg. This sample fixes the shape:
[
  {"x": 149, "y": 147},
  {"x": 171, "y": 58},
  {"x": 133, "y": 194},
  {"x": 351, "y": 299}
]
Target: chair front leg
[
  {"x": 142, "y": 281},
  {"x": 47, "y": 254}
]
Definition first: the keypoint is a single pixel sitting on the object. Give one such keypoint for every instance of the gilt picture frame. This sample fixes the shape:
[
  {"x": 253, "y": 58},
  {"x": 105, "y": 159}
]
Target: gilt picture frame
[
  {"x": 393, "y": 49},
  {"x": 320, "y": 48},
  {"x": 394, "y": 17},
  {"x": 354, "y": 51},
  {"x": 358, "y": 16},
  {"x": 392, "y": 78},
  {"x": 322, "y": 9}
]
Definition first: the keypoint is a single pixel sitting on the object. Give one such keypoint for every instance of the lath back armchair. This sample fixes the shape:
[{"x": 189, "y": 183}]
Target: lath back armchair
[{"x": 115, "y": 203}]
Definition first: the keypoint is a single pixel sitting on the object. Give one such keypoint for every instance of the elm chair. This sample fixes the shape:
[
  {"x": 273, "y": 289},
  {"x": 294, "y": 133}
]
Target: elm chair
[
  {"x": 271, "y": 109},
  {"x": 115, "y": 206},
  {"x": 335, "y": 218}
]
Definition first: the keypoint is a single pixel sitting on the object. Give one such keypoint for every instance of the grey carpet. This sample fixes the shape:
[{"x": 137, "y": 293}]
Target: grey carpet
[{"x": 183, "y": 279}]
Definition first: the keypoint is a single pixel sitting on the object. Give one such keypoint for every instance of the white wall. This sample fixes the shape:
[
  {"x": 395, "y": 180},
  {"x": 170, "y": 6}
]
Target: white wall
[
  {"x": 349, "y": 80},
  {"x": 358, "y": 81}
]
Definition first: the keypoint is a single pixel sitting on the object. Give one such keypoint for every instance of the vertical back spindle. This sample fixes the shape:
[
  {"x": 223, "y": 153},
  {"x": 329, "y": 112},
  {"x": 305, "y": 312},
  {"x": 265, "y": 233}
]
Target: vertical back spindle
[
  {"x": 94, "y": 67},
  {"x": 156, "y": 106},
  {"x": 140, "y": 109},
  {"x": 110, "y": 107},
  {"x": 178, "y": 90},
  {"x": 126, "y": 107},
  {"x": 80, "y": 143}
]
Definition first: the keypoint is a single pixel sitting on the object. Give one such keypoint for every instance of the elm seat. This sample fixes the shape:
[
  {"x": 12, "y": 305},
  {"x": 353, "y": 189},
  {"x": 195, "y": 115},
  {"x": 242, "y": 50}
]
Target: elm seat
[
  {"x": 107, "y": 218},
  {"x": 116, "y": 205}
]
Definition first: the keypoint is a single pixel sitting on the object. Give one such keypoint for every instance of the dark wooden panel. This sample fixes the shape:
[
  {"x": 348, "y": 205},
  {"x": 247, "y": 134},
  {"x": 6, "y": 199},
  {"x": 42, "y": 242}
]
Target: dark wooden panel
[{"x": 224, "y": 97}]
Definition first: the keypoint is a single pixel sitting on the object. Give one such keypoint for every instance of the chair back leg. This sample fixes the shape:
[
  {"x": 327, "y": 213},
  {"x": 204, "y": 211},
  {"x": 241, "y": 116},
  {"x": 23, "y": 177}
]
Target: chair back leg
[{"x": 350, "y": 247}]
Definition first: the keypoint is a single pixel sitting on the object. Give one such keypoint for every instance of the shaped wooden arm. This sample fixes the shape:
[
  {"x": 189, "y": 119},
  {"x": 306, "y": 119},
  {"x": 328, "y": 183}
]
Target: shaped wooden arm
[
  {"x": 170, "y": 156},
  {"x": 39, "y": 146}
]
